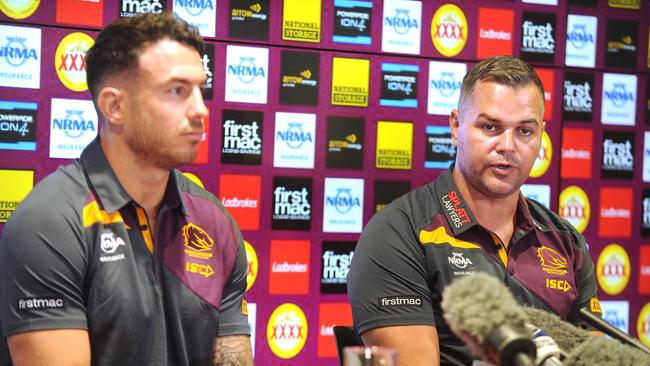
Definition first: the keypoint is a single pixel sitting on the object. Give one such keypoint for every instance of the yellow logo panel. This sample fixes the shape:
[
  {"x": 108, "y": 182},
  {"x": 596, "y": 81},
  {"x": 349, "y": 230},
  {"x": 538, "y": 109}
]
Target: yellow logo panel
[
  {"x": 14, "y": 186},
  {"x": 613, "y": 269},
  {"x": 70, "y": 60},
  {"x": 286, "y": 331},
  {"x": 350, "y": 81},
  {"x": 301, "y": 20},
  {"x": 253, "y": 265},
  {"x": 625, "y": 4},
  {"x": 440, "y": 236},
  {"x": 394, "y": 145},
  {"x": 449, "y": 30},
  {"x": 643, "y": 325},
  {"x": 198, "y": 243},
  {"x": 574, "y": 207},
  {"x": 19, "y": 9},
  {"x": 544, "y": 157},
  {"x": 194, "y": 179}
]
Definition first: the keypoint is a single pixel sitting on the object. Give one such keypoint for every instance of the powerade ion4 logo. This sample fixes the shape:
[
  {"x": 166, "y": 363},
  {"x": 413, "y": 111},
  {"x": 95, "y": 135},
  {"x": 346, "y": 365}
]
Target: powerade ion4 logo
[
  {"x": 613, "y": 269},
  {"x": 287, "y": 330},
  {"x": 449, "y": 30},
  {"x": 70, "y": 60},
  {"x": 575, "y": 207}
]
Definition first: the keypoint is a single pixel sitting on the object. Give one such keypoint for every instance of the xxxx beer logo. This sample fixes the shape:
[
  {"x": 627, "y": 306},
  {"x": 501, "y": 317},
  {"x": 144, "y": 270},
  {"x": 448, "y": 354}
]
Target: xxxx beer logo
[
  {"x": 449, "y": 30},
  {"x": 544, "y": 157},
  {"x": 253, "y": 265},
  {"x": 287, "y": 330},
  {"x": 575, "y": 207},
  {"x": 70, "y": 60},
  {"x": 19, "y": 9},
  {"x": 613, "y": 269}
]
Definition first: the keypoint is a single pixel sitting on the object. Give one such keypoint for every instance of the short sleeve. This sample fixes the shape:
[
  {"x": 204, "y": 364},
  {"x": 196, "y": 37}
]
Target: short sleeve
[
  {"x": 587, "y": 285},
  {"x": 43, "y": 263},
  {"x": 232, "y": 319},
  {"x": 387, "y": 281}
]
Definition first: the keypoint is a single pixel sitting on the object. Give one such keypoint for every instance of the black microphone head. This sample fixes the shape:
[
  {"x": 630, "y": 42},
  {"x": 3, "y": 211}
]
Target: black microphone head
[
  {"x": 566, "y": 335},
  {"x": 604, "y": 351},
  {"x": 482, "y": 312}
]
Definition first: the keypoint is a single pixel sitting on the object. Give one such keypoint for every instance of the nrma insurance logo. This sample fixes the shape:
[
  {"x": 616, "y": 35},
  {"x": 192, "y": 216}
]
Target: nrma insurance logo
[
  {"x": 200, "y": 13},
  {"x": 581, "y": 40},
  {"x": 343, "y": 205},
  {"x": 445, "y": 79},
  {"x": 619, "y": 99},
  {"x": 579, "y": 37},
  {"x": 246, "y": 74},
  {"x": 73, "y": 126},
  {"x": 617, "y": 313},
  {"x": 401, "y": 22},
  {"x": 295, "y": 136},
  {"x": 20, "y": 57},
  {"x": 401, "y": 26}
]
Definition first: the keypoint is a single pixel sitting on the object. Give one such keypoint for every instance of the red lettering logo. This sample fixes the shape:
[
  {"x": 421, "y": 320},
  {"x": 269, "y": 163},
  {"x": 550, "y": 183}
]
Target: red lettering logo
[
  {"x": 329, "y": 315},
  {"x": 615, "y": 212},
  {"x": 495, "y": 29},
  {"x": 240, "y": 194},
  {"x": 289, "y": 271},
  {"x": 576, "y": 153},
  {"x": 80, "y": 12}
]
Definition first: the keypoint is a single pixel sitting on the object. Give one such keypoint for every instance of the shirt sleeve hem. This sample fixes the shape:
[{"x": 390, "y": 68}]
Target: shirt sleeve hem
[
  {"x": 44, "y": 324},
  {"x": 396, "y": 320},
  {"x": 233, "y": 329}
]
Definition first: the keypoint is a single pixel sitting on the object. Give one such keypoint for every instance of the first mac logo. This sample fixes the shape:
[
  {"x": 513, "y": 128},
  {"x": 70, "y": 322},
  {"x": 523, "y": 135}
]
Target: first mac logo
[{"x": 26, "y": 304}]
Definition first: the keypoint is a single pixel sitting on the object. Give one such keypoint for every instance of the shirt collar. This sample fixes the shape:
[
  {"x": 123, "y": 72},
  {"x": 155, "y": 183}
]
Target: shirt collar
[{"x": 109, "y": 190}]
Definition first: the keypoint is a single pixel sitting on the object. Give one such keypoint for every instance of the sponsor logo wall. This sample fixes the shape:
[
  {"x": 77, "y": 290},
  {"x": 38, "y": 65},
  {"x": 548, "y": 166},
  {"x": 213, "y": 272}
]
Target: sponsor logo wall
[{"x": 324, "y": 112}]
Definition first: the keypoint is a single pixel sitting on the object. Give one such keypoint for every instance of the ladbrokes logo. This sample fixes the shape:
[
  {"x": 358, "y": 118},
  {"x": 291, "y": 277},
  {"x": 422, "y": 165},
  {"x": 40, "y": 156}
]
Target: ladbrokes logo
[
  {"x": 19, "y": 9},
  {"x": 578, "y": 96},
  {"x": 253, "y": 265},
  {"x": 615, "y": 219},
  {"x": 613, "y": 269},
  {"x": 80, "y": 12},
  {"x": 129, "y": 8},
  {"x": 552, "y": 262},
  {"x": 197, "y": 241},
  {"x": 70, "y": 60},
  {"x": 240, "y": 194},
  {"x": 576, "y": 153},
  {"x": 449, "y": 30},
  {"x": 538, "y": 37},
  {"x": 289, "y": 272},
  {"x": 401, "y": 26},
  {"x": 547, "y": 76},
  {"x": 287, "y": 330},
  {"x": 335, "y": 257},
  {"x": 618, "y": 155},
  {"x": 20, "y": 54},
  {"x": 574, "y": 207},
  {"x": 494, "y": 32},
  {"x": 544, "y": 157},
  {"x": 242, "y": 137},
  {"x": 455, "y": 209},
  {"x": 291, "y": 203},
  {"x": 581, "y": 40},
  {"x": 329, "y": 315}
]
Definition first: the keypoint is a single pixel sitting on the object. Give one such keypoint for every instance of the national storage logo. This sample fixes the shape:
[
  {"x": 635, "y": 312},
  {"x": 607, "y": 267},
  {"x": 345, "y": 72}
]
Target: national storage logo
[
  {"x": 399, "y": 85},
  {"x": 619, "y": 99},
  {"x": 129, "y": 8},
  {"x": 445, "y": 80},
  {"x": 70, "y": 60},
  {"x": 73, "y": 126},
  {"x": 449, "y": 30},
  {"x": 343, "y": 205},
  {"x": 401, "y": 26},
  {"x": 613, "y": 269},
  {"x": 200, "y": 13},
  {"x": 301, "y": 20},
  {"x": 394, "y": 145},
  {"x": 350, "y": 81},
  {"x": 246, "y": 74},
  {"x": 615, "y": 213},
  {"x": 544, "y": 157},
  {"x": 242, "y": 137},
  {"x": 17, "y": 125},
  {"x": 538, "y": 37},
  {"x": 14, "y": 187},
  {"x": 581, "y": 40},
  {"x": 286, "y": 331},
  {"x": 295, "y": 140},
  {"x": 19, "y": 9},
  {"x": 20, "y": 57},
  {"x": 575, "y": 207},
  {"x": 352, "y": 22}
]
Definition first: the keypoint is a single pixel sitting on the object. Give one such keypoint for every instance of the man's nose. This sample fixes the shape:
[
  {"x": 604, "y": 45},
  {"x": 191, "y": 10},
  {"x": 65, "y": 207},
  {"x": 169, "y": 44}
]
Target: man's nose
[{"x": 506, "y": 141}]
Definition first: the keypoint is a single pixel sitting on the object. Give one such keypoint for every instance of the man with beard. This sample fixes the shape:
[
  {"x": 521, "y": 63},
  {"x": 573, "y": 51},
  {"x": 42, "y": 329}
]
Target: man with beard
[
  {"x": 117, "y": 258},
  {"x": 473, "y": 218}
]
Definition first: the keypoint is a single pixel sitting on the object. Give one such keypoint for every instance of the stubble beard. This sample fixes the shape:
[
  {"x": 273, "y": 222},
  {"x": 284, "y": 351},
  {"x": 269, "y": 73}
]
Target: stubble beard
[{"x": 479, "y": 179}]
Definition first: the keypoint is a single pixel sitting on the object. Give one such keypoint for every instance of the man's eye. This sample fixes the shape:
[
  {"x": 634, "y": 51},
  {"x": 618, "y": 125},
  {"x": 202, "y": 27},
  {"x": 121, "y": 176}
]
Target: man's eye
[
  {"x": 176, "y": 90},
  {"x": 526, "y": 131},
  {"x": 489, "y": 128}
]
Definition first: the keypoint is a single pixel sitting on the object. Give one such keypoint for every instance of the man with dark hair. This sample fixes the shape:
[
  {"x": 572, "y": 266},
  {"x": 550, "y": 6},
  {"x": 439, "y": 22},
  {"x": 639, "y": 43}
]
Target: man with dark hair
[
  {"x": 473, "y": 218},
  {"x": 117, "y": 258}
]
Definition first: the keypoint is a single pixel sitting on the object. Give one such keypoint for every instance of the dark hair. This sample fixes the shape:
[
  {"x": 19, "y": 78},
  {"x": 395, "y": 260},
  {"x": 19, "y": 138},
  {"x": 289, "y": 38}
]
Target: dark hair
[
  {"x": 119, "y": 45},
  {"x": 504, "y": 70}
]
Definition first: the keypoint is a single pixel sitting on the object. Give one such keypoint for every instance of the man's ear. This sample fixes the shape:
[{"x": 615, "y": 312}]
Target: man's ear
[
  {"x": 110, "y": 102},
  {"x": 454, "y": 123}
]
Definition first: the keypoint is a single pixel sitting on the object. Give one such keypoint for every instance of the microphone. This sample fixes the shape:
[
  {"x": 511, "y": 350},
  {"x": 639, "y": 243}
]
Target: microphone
[
  {"x": 482, "y": 312},
  {"x": 548, "y": 352},
  {"x": 603, "y": 351},
  {"x": 611, "y": 330},
  {"x": 565, "y": 334}
]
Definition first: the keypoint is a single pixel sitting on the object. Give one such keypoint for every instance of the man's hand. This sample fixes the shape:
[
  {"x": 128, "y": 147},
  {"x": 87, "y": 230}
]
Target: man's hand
[
  {"x": 417, "y": 344},
  {"x": 234, "y": 350}
]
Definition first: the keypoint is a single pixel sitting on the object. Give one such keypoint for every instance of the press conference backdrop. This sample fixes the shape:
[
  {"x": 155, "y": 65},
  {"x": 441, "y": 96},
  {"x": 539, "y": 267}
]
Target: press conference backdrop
[{"x": 323, "y": 111}]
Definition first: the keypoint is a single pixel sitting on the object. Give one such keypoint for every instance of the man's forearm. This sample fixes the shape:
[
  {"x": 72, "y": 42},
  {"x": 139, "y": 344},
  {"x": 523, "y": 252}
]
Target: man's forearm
[{"x": 234, "y": 350}]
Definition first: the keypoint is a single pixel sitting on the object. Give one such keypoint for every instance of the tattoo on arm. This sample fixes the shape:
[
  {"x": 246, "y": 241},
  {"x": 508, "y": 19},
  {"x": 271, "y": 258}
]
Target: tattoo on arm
[{"x": 232, "y": 350}]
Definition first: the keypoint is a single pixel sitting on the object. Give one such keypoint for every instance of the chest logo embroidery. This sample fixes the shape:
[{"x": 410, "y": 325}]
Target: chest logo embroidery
[
  {"x": 109, "y": 244},
  {"x": 198, "y": 244},
  {"x": 552, "y": 262},
  {"x": 459, "y": 261}
]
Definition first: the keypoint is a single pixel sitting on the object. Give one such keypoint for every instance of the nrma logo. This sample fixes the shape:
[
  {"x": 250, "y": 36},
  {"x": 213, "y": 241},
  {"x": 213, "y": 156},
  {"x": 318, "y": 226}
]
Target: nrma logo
[
  {"x": 194, "y": 7},
  {"x": 616, "y": 320},
  {"x": 343, "y": 201},
  {"x": 579, "y": 36},
  {"x": 447, "y": 84},
  {"x": 294, "y": 136},
  {"x": 619, "y": 95},
  {"x": 73, "y": 124},
  {"x": 246, "y": 71},
  {"x": 401, "y": 22},
  {"x": 16, "y": 52}
]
